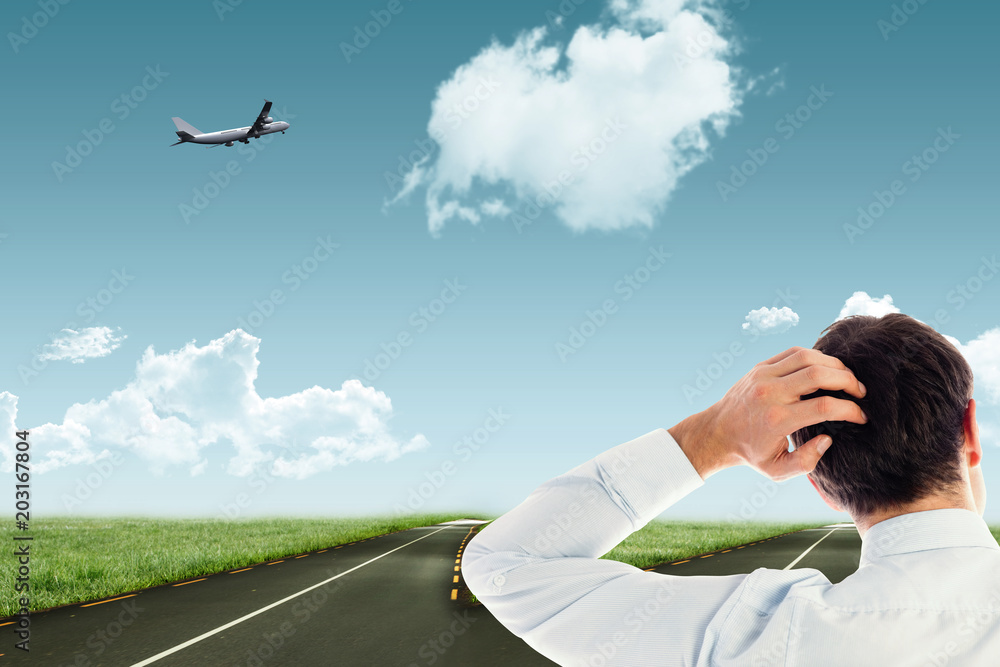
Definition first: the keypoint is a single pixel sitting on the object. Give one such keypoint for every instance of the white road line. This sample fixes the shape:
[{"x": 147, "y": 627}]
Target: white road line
[
  {"x": 170, "y": 651},
  {"x": 803, "y": 554}
]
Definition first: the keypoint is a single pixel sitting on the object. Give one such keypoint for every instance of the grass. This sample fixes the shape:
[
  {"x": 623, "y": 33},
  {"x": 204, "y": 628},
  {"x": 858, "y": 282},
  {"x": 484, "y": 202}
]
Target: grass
[
  {"x": 664, "y": 541},
  {"x": 80, "y": 559}
]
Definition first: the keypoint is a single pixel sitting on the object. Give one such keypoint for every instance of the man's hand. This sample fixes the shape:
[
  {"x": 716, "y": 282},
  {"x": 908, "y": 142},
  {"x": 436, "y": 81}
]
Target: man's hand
[{"x": 750, "y": 424}]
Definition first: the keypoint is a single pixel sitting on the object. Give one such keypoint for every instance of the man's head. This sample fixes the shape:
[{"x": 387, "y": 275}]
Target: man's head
[{"x": 918, "y": 405}]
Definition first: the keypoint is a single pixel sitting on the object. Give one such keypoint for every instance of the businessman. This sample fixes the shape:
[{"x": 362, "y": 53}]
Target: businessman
[{"x": 881, "y": 418}]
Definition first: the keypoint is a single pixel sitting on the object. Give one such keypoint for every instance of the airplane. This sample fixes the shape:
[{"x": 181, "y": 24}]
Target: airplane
[{"x": 263, "y": 125}]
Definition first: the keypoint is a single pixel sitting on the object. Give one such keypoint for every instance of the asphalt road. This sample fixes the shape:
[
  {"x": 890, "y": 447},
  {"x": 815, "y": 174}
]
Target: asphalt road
[
  {"x": 382, "y": 601},
  {"x": 833, "y": 550}
]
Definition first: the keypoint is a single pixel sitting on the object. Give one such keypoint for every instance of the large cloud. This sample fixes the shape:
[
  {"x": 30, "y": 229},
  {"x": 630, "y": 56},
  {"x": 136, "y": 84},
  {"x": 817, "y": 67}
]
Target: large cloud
[
  {"x": 620, "y": 113},
  {"x": 78, "y": 345},
  {"x": 182, "y": 401},
  {"x": 983, "y": 355}
]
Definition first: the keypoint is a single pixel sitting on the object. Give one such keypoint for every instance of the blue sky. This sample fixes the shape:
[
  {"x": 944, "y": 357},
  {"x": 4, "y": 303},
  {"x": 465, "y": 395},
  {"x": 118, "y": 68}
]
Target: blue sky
[{"x": 712, "y": 156}]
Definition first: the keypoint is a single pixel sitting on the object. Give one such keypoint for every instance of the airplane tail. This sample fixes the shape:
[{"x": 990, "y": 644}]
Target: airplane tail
[
  {"x": 184, "y": 127},
  {"x": 183, "y": 136}
]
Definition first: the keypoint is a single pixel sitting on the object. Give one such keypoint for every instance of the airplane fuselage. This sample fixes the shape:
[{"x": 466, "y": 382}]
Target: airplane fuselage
[
  {"x": 189, "y": 134},
  {"x": 238, "y": 134}
]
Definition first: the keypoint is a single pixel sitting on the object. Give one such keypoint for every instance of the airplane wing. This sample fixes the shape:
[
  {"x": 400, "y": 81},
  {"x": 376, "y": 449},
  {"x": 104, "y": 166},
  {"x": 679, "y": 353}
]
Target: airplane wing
[{"x": 258, "y": 124}]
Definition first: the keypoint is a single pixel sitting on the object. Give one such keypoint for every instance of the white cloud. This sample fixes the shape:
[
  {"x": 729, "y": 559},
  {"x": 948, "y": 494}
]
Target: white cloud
[
  {"x": 182, "y": 401},
  {"x": 983, "y": 354},
  {"x": 8, "y": 418},
  {"x": 79, "y": 345},
  {"x": 650, "y": 15},
  {"x": 620, "y": 112},
  {"x": 495, "y": 207},
  {"x": 770, "y": 320},
  {"x": 861, "y": 304}
]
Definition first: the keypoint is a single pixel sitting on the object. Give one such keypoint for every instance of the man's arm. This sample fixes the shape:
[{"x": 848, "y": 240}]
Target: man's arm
[{"x": 538, "y": 567}]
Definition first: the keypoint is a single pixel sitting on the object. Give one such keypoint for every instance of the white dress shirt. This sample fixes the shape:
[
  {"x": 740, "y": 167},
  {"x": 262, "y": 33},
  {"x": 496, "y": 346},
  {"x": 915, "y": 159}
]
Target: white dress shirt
[{"x": 926, "y": 594}]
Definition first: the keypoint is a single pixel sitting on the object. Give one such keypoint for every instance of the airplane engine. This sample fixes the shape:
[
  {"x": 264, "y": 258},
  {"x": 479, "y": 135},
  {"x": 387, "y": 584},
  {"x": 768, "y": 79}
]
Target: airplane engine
[
  {"x": 229, "y": 143},
  {"x": 268, "y": 120}
]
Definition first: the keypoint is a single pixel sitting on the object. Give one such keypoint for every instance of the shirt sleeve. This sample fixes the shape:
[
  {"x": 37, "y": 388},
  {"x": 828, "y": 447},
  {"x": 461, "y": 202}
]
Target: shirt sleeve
[{"x": 538, "y": 569}]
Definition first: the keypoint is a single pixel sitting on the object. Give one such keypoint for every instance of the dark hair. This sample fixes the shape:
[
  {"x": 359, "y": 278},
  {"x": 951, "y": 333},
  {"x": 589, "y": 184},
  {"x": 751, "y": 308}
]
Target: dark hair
[{"x": 918, "y": 386}]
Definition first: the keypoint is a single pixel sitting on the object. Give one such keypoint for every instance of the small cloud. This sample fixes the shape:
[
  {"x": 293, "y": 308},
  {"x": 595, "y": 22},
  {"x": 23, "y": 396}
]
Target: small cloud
[
  {"x": 770, "y": 320},
  {"x": 8, "y": 420},
  {"x": 495, "y": 207},
  {"x": 79, "y": 345},
  {"x": 775, "y": 87},
  {"x": 861, "y": 304}
]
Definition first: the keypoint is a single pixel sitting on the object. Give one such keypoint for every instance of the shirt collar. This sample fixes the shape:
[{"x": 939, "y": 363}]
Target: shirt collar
[{"x": 930, "y": 529}]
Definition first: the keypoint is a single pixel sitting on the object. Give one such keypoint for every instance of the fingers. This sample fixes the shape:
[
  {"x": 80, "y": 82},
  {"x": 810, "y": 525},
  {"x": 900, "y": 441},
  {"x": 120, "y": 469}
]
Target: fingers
[
  {"x": 781, "y": 355},
  {"x": 800, "y": 462},
  {"x": 805, "y": 357},
  {"x": 809, "y": 379},
  {"x": 820, "y": 409},
  {"x": 813, "y": 370}
]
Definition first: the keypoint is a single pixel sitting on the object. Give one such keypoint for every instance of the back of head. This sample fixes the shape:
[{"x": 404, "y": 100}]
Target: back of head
[{"x": 919, "y": 386}]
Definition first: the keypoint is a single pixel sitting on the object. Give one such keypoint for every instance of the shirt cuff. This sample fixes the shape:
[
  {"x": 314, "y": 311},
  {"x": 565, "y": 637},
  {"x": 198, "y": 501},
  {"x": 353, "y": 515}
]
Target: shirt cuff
[{"x": 645, "y": 475}]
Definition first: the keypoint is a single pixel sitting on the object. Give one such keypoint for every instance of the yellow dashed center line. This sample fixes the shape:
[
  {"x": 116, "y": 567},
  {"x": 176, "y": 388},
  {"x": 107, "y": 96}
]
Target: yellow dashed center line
[
  {"x": 458, "y": 561},
  {"x": 302, "y": 556},
  {"x": 92, "y": 604},
  {"x": 707, "y": 556},
  {"x": 276, "y": 562},
  {"x": 324, "y": 550},
  {"x": 243, "y": 570},
  {"x": 7, "y": 623},
  {"x": 682, "y": 561},
  {"x": 193, "y": 581},
  {"x": 454, "y": 581},
  {"x": 727, "y": 551}
]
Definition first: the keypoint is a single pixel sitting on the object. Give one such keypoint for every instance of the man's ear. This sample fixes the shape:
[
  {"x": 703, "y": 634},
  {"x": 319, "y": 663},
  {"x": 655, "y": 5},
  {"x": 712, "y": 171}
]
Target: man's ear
[
  {"x": 833, "y": 505},
  {"x": 973, "y": 448}
]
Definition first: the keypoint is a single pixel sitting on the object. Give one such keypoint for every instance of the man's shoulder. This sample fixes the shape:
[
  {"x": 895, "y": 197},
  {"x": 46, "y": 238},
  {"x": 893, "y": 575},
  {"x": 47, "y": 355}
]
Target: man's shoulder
[{"x": 765, "y": 589}]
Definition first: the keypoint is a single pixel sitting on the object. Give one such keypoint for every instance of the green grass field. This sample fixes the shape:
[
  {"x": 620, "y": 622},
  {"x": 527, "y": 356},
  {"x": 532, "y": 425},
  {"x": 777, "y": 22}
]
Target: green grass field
[
  {"x": 663, "y": 541},
  {"x": 78, "y": 559}
]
